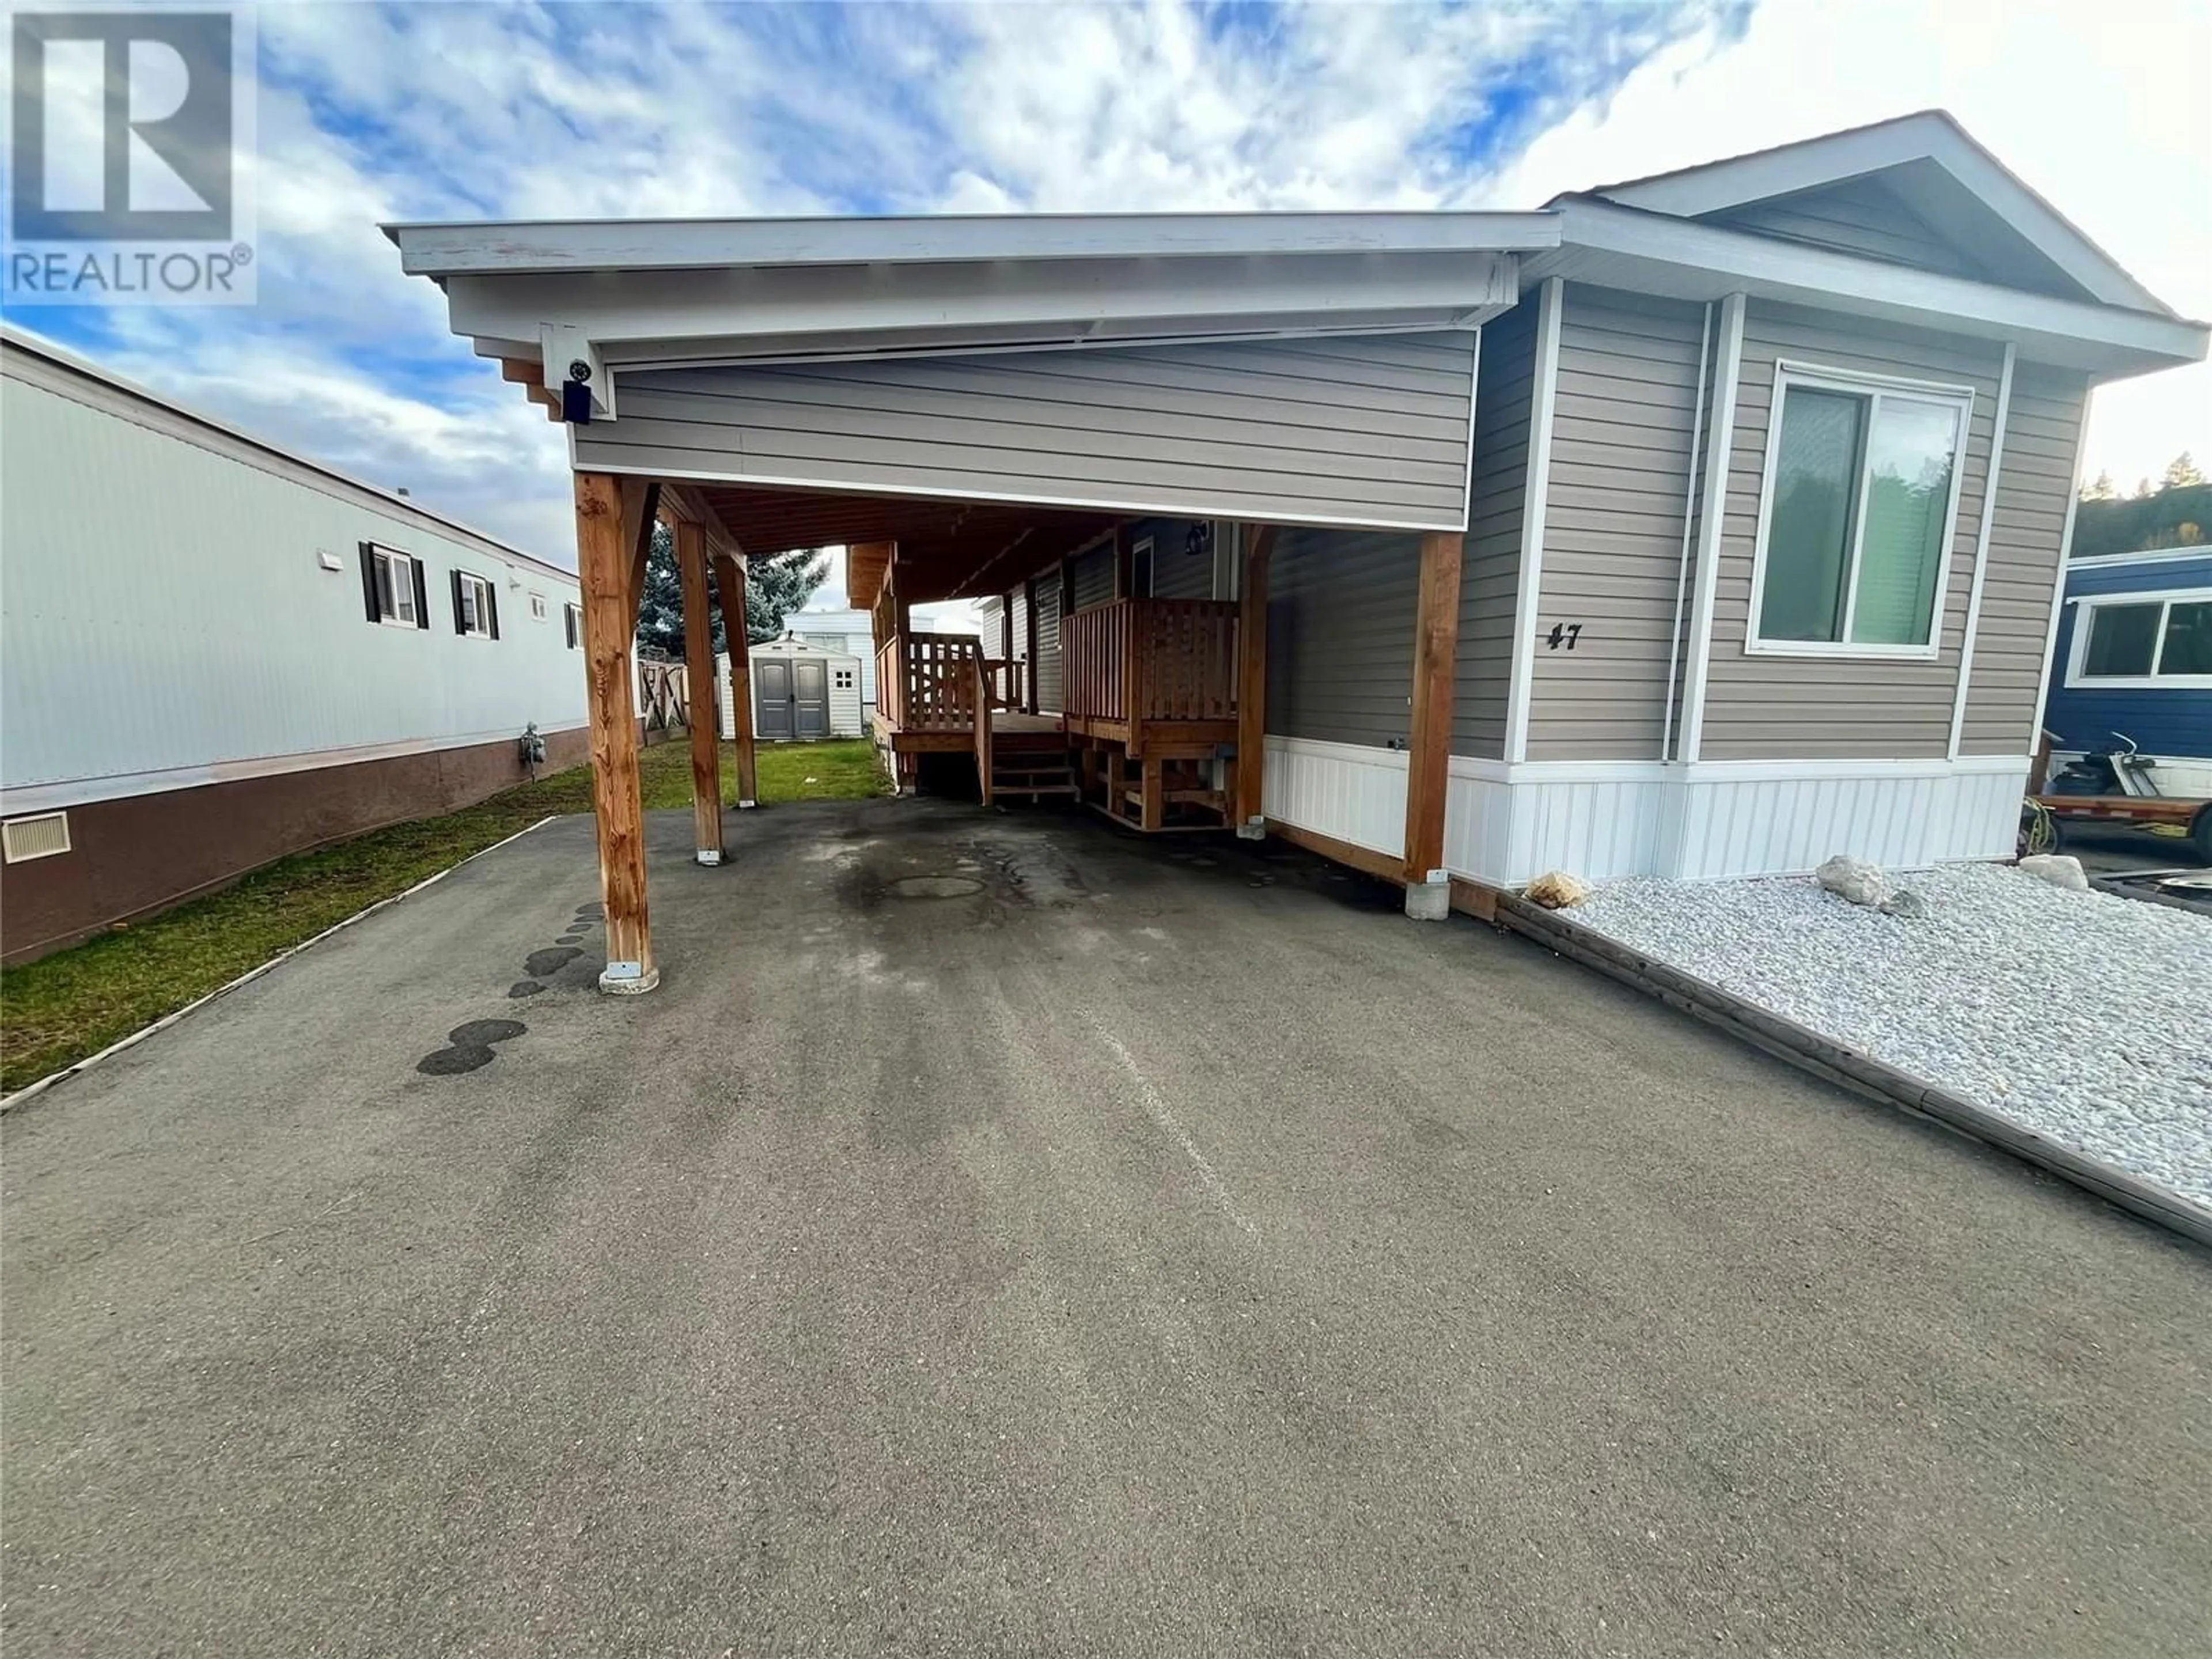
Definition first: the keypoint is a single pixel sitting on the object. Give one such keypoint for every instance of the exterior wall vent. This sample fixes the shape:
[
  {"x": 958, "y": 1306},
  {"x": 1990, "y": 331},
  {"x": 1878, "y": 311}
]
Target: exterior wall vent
[{"x": 40, "y": 837}]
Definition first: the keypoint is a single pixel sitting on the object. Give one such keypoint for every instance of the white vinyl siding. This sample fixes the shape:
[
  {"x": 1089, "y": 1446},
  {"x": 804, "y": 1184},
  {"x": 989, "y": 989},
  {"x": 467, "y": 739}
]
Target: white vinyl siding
[
  {"x": 1349, "y": 429},
  {"x": 241, "y": 643}
]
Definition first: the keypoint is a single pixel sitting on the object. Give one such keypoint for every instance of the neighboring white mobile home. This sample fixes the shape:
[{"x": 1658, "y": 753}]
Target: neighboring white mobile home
[{"x": 216, "y": 652}]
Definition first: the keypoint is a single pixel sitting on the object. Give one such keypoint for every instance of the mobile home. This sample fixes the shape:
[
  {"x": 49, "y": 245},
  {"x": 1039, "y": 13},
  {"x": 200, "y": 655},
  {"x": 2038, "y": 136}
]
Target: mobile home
[
  {"x": 2131, "y": 675},
  {"x": 1700, "y": 525},
  {"x": 214, "y": 653}
]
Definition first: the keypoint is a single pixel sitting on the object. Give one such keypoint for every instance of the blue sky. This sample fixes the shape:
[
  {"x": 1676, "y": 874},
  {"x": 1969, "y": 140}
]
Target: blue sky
[{"x": 579, "y": 111}]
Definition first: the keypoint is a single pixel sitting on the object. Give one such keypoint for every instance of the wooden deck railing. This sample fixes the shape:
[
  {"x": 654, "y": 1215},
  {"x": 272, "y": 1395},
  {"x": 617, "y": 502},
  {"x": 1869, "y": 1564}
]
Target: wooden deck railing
[
  {"x": 1138, "y": 660},
  {"x": 1094, "y": 654},
  {"x": 928, "y": 682},
  {"x": 1008, "y": 678}
]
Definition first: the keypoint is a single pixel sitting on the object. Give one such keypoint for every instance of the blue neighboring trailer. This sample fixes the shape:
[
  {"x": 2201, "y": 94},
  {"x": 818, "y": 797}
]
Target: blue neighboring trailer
[{"x": 2129, "y": 716}]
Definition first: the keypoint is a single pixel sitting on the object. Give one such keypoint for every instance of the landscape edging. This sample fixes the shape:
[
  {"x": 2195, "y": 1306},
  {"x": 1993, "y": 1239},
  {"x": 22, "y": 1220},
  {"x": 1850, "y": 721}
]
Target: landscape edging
[{"x": 1808, "y": 1050}]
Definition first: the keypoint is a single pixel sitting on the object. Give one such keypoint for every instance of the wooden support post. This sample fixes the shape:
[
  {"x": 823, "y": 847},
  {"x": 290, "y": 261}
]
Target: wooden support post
[
  {"x": 983, "y": 726},
  {"x": 730, "y": 588},
  {"x": 1428, "y": 765},
  {"x": 1252, "y": 682},
  {"x": 699, "y": 671},
  {"x": 602, "y": 561},
  {"x": 1030, "y": 690},
  {"x": 1152, "y": 813}
]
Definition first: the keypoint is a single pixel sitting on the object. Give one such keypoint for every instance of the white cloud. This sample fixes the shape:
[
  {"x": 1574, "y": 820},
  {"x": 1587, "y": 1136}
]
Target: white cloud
[{"x": 2102, "y": 110}]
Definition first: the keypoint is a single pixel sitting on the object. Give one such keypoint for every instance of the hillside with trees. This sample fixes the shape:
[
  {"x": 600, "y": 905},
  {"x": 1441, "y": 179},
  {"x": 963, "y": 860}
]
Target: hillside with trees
[{"x": 2176, "y": 512}]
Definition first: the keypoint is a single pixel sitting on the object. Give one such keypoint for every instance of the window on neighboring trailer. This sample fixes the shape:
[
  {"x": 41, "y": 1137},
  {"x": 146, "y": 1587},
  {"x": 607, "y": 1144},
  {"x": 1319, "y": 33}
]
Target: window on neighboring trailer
[
  {"x": 1140, "y": 569},
  {"x": 395, "y": 588},
  {"x": 537, "y": 607},
  {"x": 571, "y": 618},
  {"x": 2161, "y": 640},
  {"x": 475, "y": 597},
  {"x": 1858, "y": 517}
]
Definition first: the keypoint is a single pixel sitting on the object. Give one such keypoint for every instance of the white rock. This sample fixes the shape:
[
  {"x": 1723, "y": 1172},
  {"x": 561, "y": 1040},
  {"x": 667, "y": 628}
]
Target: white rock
[
  {"x": 2080, "y": 1016},
  {"x": 1557, "y": 890},
  {"x": 1855, "y": 879},
  {"x": 2057, "y": 869}
]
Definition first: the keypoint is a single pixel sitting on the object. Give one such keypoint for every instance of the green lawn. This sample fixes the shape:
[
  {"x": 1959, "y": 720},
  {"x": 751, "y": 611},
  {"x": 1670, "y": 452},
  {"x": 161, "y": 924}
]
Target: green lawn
[{"x": 75, "y": 1002}]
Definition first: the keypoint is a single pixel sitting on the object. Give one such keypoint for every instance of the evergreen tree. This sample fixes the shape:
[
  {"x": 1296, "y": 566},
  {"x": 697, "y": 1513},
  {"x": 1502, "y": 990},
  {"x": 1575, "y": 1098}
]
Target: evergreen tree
[
  {"x": 778, "y": 584},
  {"x": 2181, "y": 472},
  {"x": 775, "y": 586},
  {"x": 2102, "y": 489}
]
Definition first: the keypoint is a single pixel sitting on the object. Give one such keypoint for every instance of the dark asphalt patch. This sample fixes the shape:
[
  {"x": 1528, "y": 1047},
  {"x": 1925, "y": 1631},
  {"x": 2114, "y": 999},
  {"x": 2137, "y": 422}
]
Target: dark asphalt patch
[
  {"x": 544, "y": 964},
  {"x": 471, "y": 1048}
]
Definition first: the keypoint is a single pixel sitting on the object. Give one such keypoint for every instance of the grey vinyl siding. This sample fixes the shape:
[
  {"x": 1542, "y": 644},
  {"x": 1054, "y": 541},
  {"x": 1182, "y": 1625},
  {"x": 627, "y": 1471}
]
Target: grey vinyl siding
[
  {"x": 1047, "y": 641},
  {"x": 1621, "y": 424},
  {"x": 1340, "y": 609},
  {"x": 1787, "y": 708},
  {"x": 1862, "y": 216},
  {"x": 2035, "y": 483},
  {"x": 1357, "y": 429},
  {"x": 1094, "y": 578},
  {"x": 1178, "y": 573},
  {"x": 1490, "y": 566}
]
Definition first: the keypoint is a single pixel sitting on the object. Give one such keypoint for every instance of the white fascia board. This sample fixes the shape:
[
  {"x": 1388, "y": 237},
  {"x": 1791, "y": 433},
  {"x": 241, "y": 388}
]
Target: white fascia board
[
  {"x": 632, "y": 308},
  {"x": 512, "y": 249},
  {"x": 2119, "y": 341},
  {"x": 1926, "y": 137},
  {"x": 1064, "y": 335}
]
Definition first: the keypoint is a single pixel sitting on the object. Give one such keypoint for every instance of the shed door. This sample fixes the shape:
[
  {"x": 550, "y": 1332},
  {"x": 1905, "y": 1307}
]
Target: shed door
[
  {"x": 772, "y": 691},
  {"x": 810, "y": 699}
]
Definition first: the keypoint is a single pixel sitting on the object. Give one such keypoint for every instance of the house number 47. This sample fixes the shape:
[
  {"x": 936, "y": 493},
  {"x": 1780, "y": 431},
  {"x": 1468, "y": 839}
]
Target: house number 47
[{"x": 1562, "y": 634}]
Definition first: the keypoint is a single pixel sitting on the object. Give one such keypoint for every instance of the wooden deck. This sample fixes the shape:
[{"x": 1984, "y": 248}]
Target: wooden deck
[{"x": 1147, "y": 732}]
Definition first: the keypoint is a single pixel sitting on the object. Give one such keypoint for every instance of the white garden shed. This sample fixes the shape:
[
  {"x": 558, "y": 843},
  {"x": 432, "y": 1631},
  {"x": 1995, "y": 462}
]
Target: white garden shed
[{"x": 801, "y": 692}]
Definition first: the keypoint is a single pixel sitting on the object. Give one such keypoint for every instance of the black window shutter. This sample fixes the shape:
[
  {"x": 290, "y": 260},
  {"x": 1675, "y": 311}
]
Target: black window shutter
[
  {"x": 568, "y": 617},
  {"x": 369, "y": 581},
  {"x": 422, "y": 594},
  {"x": 460, "y": 626},
  {"x": 491, "y": 610}
]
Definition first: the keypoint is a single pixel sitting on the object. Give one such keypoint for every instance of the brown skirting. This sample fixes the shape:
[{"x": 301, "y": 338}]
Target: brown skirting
[{"x": 137, "y": 854}]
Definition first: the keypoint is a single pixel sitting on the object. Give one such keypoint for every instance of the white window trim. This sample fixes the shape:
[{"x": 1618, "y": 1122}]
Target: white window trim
[
  {"x": 539, "y": 610},
  {"x": 401, "y": 564},
  {"x": 1852, "y": 382},
  {"x": 2087, "y": 605},
  {"x": 480, "y": 629}
]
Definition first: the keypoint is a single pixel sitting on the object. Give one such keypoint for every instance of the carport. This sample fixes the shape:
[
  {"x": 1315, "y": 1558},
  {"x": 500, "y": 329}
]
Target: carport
[{"x": 963, "y": 401}]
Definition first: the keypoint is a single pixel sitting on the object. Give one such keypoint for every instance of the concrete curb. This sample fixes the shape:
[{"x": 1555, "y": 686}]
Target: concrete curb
[
  {"x": 1808, "y": 1050},
  {"x": 9, "y": 1102}
]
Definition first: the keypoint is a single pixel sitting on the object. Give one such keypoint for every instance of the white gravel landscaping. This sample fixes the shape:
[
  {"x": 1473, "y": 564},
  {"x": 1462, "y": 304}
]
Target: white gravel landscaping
[{"x": 2084, "y": 1016}]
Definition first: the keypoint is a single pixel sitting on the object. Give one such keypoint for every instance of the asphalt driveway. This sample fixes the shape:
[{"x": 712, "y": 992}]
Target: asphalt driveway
[{"x": 998, "y": 1236}]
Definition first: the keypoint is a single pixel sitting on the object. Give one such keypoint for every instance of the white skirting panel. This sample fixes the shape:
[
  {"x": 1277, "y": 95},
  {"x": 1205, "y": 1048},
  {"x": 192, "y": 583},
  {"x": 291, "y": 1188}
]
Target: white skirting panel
[
  {"x": 1506, "y": 825},
  {"x": 1343, "y": 790}
]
